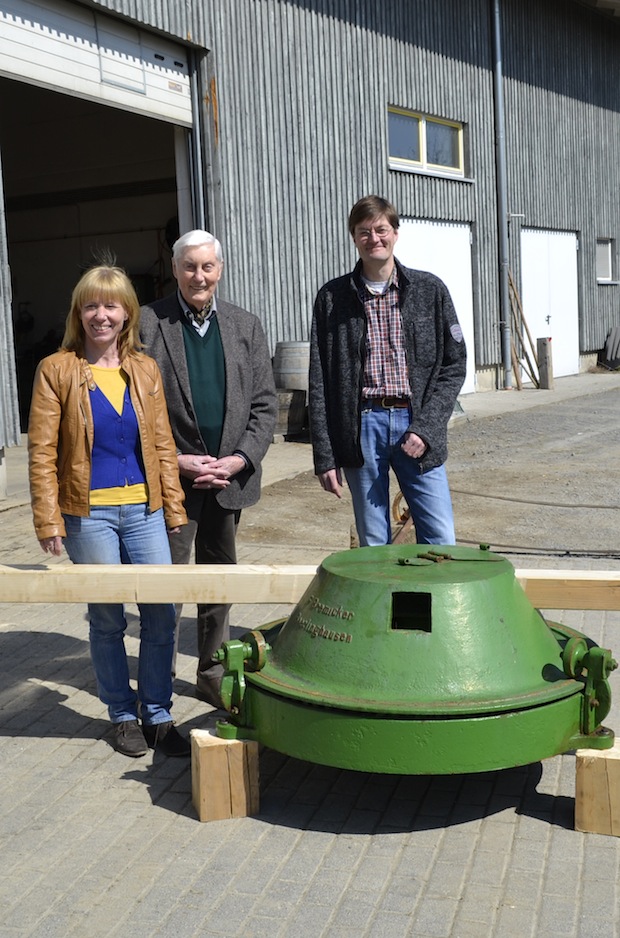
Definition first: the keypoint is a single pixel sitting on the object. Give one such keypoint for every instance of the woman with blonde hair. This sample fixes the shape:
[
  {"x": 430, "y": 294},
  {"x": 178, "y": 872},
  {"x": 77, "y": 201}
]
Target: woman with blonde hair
[{"x": 104, "y": 480}]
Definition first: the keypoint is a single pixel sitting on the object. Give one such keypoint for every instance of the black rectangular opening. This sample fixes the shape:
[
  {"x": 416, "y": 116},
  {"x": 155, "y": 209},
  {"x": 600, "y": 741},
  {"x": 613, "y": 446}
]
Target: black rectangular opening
[{"x": 411, "y": 611}]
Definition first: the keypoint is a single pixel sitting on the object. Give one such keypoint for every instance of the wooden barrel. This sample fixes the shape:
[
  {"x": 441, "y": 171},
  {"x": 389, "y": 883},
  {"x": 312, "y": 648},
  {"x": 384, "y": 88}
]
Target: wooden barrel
[
  {"x": 290, "y": 365},
  {"x": 291, "y": 412}
]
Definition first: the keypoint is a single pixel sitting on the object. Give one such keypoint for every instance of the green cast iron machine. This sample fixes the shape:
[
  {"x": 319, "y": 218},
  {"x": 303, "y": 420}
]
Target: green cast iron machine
[{"x": 414, "y": 660}]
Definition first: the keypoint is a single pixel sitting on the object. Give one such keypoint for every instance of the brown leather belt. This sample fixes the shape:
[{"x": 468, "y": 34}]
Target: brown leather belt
[{"x": 386, "y": 402}]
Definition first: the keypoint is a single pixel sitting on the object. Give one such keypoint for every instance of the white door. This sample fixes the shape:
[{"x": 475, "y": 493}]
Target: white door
[
  {"x": 549, "y": 294},
  {"x": 444, "y": 249}
]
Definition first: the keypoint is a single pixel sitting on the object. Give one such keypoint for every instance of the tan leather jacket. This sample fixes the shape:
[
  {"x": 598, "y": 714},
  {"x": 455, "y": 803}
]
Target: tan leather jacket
[{"x": 60, "y": 440}]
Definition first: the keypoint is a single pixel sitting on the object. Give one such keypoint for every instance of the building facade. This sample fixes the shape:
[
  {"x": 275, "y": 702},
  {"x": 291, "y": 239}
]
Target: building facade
[{"x": 493, "y": 125}]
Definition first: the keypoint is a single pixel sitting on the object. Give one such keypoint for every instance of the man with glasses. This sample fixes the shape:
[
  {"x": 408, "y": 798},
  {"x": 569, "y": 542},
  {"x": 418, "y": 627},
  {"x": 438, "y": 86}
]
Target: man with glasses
[{"x": 387, "y": 361}]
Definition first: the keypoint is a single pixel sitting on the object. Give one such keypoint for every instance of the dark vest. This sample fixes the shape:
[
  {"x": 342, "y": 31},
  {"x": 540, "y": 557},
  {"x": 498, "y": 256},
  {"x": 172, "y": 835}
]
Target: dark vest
[{"x": 207, "y": 378}]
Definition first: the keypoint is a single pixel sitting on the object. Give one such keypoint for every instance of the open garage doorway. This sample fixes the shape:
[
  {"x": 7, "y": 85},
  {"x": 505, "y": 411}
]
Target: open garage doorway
[{"x": 80, "y": 178}]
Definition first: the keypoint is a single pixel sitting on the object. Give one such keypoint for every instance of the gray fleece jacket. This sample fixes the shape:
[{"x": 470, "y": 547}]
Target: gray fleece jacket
[{"x": 436, "y": 359}]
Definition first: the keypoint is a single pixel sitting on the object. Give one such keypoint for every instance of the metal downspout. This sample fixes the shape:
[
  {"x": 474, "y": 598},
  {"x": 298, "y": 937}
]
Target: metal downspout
[
  {"x": 195, "y": 148},
  {"x": 502, "y": 196}
]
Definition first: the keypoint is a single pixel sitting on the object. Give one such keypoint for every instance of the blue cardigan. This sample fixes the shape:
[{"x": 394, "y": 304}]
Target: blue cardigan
[{"x": 116, "y": 456}]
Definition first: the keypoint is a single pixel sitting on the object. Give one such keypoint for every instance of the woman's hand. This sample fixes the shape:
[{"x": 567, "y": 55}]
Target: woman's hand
[{"x": 51, "y": 545}]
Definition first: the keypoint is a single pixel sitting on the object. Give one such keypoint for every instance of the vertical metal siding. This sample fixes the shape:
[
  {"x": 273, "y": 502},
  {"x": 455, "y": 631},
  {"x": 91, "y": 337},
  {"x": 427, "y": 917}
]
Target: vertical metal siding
[
  {"x": 185, "y": 20},
  {"x": 303, "y": 96},
  {"x": 302, "y": 92},
  {"x": 562, "y": 69},
  {"x": 303, "y": 88}
]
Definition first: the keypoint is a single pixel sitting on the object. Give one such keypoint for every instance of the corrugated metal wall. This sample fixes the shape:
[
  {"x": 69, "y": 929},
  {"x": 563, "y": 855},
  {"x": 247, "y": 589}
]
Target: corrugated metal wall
[
  {"x": 185, "y": 20},
  {"x": 563, "y": 133},
  {"x": 302, "y": 90}
]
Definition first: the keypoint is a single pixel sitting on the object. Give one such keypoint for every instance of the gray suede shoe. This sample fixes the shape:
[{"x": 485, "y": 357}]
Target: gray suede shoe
[{"x": 129, "y": 739}]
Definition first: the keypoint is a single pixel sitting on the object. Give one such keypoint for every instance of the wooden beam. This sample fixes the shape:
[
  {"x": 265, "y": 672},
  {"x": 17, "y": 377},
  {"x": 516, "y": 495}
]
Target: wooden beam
[
  {"x": 148, "y": 583},
  {"x": 256, "y": 583},
  {"x": 572, "y": 589}
]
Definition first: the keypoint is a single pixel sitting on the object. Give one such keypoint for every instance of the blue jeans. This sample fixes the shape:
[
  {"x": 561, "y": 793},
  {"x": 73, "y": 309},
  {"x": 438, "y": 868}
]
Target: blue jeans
[
  {"x": 427, "y": 493},
  {"x": 127, "y": 534}
]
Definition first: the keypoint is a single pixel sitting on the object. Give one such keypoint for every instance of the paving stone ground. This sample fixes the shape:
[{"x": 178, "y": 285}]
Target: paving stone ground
[{"x": 95, "y": 845}]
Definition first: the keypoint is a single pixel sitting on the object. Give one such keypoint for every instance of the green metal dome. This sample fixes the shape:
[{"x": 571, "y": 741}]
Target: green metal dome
[{"x": 417, "y": 659}]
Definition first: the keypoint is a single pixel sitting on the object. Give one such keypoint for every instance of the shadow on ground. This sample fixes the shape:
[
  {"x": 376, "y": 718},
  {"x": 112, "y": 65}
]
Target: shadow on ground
[{"x": 48, "y": 668}]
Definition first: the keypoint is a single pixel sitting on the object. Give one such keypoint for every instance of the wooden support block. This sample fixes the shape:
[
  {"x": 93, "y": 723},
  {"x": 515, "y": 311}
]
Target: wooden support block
[
  {"x": 597, "y": 790},
  {"x": 225, "y": 778}
]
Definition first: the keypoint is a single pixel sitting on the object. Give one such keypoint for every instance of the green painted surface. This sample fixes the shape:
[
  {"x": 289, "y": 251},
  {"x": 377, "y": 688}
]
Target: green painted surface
[
  {"x": 416, "y": 746},
  {"x": 418, "y": 659}
]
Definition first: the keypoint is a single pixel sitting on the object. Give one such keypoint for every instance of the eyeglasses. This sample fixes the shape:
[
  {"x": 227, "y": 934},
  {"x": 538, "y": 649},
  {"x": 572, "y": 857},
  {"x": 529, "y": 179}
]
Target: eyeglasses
[{"x": 382, "y": 232}]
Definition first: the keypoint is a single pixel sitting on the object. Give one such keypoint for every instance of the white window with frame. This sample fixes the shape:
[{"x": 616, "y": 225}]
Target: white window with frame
[
  {"x": 420, "y": 143},
  {"x": 605, "y": 260}
]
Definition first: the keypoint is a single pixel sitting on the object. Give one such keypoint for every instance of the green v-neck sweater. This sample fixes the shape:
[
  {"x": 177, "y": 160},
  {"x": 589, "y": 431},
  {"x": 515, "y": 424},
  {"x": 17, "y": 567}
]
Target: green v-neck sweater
[{"x": 207, "y": 378}]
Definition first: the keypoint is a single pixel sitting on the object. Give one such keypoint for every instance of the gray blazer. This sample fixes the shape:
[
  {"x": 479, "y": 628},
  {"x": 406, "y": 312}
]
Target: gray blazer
[{"x": 251, "y": 403}]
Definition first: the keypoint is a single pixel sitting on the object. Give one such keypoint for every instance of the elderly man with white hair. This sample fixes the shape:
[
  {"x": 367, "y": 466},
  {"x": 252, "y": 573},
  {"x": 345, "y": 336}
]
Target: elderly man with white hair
[{"x": 218, "y": 381}]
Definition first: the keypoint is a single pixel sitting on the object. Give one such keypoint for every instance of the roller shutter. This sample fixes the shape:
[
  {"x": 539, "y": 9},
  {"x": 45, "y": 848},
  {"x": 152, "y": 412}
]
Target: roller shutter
[{"x": 65, "y": 47}]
